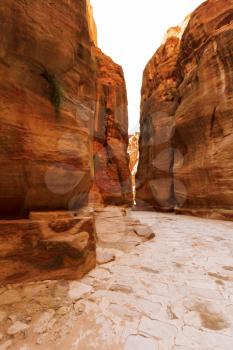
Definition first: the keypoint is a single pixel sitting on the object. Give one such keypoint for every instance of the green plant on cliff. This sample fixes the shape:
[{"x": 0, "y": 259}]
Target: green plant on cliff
[{"x": 55, "y": 91}]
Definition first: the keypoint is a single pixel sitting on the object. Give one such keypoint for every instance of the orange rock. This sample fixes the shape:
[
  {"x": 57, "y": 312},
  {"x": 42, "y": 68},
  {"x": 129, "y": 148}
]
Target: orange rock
[
  {"x": 51, "y": 80},
  {"x": 63, "y": 134},
  {"x": 186, "y": 126},
  {"x": 48, "y": 248},
  {"x": 112, "y": 174},
  {"x": 47, "y": 101}
]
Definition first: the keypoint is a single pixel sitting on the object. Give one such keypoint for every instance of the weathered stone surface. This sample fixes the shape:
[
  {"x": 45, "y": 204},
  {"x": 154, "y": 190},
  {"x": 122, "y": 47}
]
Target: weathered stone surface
[
  {"x": 17, "y": 327},
  {"x": 104, "y": 255},
  {"x": 154, "y": 179},
  {"x": 48, "y": 92},
  {"x": 112, "y": 174},
  {"x": 9, "y": 297},
  {"x": 187, "y": 102},
  {"x": 6, "y": 345},
  {"x": 160, "y": 295},
  {"x": 78, "y": 290},
  {"x": 45, "y": 249},
  {"x": 116, "y": 231},
  {"x": 57, "y": 90},
  {"x": 63, "y": 108}
]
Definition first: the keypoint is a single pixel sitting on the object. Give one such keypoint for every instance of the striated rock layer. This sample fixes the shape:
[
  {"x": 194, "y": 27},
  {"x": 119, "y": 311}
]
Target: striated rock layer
[
  {"x": 112, "y": 174},
  {"x": 51, "y": 246},
  {"x": 154, "y": 177},
  {"x": 186, "y": 139},
  {"x": 47, "y": 93},
  {"x": 58, "y": 94},
  {"x": 51, "y": 75}
]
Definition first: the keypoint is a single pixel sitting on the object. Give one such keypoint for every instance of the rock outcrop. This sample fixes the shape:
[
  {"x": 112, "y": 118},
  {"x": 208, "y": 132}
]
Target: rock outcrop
[
  {"x": 112, "y": 183},
  {"x": 58, "y": 93},
  {"x": 46, "y": 246},
  {"x": 48, "y": 92},
  {"x": 50, "y": 82},
  {"x": 186, "y": 117},
  {"x": 154, "y": 176}
]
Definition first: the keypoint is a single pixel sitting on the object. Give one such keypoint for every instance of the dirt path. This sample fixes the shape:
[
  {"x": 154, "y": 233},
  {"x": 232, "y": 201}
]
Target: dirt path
[{"x": 172, "y": 293}]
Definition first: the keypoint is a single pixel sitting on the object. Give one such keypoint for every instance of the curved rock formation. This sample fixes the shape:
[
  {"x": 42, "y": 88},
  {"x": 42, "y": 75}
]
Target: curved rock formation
[
  {"x": 47, "y": 94},
  {"x": 112, "y": 174},
  {"x": 58, "y": 94},
  {"x": 49, "y": 87},
  {"x": 158, "y": 105},
  {"x": 186, "y": 121}
]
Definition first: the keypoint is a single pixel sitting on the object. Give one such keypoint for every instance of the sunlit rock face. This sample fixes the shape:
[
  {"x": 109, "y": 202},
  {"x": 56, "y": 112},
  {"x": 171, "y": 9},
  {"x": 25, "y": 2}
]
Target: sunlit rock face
[
  {"x": 48, "y": 92},
  {"x": 112, "y": 175},
  {"x": 134, "y": 156},
  {"x": 154, "y": 179},
  {"x": 49, "y": 87},
  {"x": 186, "y": 126},
  {"x": 60, "y": 97}
]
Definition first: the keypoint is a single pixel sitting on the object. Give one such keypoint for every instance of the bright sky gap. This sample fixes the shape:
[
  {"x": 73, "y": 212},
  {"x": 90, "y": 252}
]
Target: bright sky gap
[{"x": 131, "y": 31}]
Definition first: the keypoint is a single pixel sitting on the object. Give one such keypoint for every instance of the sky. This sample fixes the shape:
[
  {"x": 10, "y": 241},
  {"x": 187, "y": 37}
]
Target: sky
[{"x": 130, "y": 31}]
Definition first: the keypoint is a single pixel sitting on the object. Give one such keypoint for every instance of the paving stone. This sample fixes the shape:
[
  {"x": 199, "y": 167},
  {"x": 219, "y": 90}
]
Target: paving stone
[
  {"x": 164, "y": 294},
  {"x": 78, "y": 290},
  {"x": 157, "y": 328},
  {"x": 103, "y": 256},
  {"x": 137, "y": 342}
]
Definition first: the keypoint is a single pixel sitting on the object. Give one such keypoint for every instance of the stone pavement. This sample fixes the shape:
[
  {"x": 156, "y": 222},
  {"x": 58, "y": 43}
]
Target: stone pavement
[{"x": 174, "y": 292}]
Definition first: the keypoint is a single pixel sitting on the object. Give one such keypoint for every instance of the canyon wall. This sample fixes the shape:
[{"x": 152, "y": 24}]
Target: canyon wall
[
  {"x": 55, "y": 104},
  {"x": 186, "y": 141},
  {"x": 50, "y": 90},
  {"x": 112, "y": 183}
]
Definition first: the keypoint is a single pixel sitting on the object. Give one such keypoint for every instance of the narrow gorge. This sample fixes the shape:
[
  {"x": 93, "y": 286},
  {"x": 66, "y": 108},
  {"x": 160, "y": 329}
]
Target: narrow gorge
[{"x": 92, "y": 252}]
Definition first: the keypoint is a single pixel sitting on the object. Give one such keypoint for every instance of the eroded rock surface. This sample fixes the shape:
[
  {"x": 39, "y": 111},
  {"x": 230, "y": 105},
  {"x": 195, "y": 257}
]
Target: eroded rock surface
[
  {"x": 175, "y": 292},
  {"x": 63, "y": 137},
  {"x": 58, "y": 92},
  {"x": 112, "y": 174},
  {"x": 117, "y": 231},
  {"x": 186, "y": 120},
  {"x": 48, "y": 91},
  {"x": 51, "y": 246}
]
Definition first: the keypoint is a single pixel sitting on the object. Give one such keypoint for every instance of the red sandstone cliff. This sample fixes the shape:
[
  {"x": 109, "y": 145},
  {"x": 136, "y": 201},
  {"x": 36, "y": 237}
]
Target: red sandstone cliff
[
  {"x": 112, "y": 174},
  {"x": 58, "y": 93},
  {"x": 50, "y": 75},
  {"x": 186, "y": 126}
]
